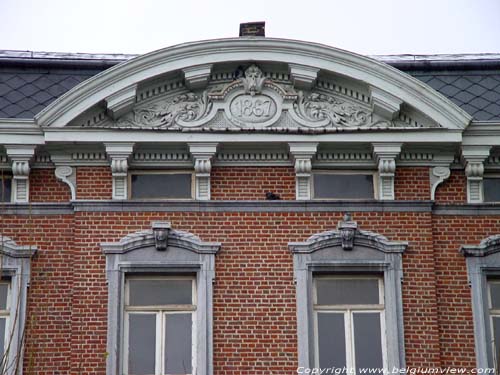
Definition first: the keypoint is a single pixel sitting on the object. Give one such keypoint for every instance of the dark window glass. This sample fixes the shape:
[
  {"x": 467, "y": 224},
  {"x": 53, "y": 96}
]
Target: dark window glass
[
  {"x": 367, "y": 341},
  {"x": 4, "y": 292},
  {"x": 5, "y": 188},
  {"x": 347, "y": 291},
  {"x": 491, "y": 188},
  {"x": 343, "y": 186},
  {"x": 141, "y": 344},
  {"x": 160, "y": 292},
  {"x": 178, "y": 343},
  {"x": 495, "y": 295},
  {"x": 331, "y": 340},
  {"x": 2, "y": 336},
  {"x": 172, "y": 185}
]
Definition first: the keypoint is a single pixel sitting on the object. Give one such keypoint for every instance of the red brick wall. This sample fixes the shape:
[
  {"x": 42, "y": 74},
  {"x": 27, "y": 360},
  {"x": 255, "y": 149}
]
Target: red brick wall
[
  {"x": 412, "y": 183},
  {"x": 252, "y": 183},
  {"x": 94, "y": 183},
  {"x": 45, "y": 187},
  {"x": 254, "y": 293},
  {"x": 453, "y": 190}
]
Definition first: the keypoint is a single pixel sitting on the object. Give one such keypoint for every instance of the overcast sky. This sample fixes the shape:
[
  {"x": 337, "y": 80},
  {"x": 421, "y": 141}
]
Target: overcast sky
[{"x": 363, "y": 26}]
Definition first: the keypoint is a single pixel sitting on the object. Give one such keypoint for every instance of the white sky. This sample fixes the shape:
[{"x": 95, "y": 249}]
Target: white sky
[{"x": 363, "y": 26}]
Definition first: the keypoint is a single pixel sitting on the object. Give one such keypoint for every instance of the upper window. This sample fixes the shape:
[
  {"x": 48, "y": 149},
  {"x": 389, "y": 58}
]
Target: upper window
[
  {"x": 491, "y": 189},
  {"x": 160, "y": 303},
  {"x": 337, "y": 185},
  {"x": 349, "y": 306},
  {"x": 5, "y": 187},
  {"x": 161, "y": 185},
  {"x": 4, "y": 317},
  {"x": 159, "y": 319},
  {"x": 349, "y": 322},
  {"x": 483, "y": 268}
]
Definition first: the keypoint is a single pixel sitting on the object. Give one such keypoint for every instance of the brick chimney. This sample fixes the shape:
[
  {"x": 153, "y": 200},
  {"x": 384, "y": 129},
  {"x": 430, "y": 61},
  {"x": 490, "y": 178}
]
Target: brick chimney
[{"x": 253, "y": 29}]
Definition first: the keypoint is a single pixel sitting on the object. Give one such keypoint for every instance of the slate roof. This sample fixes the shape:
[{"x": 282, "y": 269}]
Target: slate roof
[{"x": 29, "y": 81}]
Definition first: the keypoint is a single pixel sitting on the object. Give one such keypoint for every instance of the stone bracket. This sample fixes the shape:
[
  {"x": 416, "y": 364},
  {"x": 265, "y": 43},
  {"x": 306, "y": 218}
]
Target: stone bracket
[
  {"x": 20, "y": 156},
  {"x": 119, "y": 154},
  {"x": 473, "y": 157},
  {"x": 303, "y": 152},
  {"x": 64, "y": 171},
  {"x": 440, "y": 172},
  {"x": 197, "y": 77},
  {"x": 385, "y": 154},
  {"x": 202, "y": 155},
  {"x": 385, "y": 104},
  {"x": 121, "y": 102},
  {"x": 303, "y": 76}
]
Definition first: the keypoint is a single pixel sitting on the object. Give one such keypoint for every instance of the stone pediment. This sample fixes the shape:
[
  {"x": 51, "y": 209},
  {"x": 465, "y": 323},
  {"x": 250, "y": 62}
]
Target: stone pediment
[{"x": 256, "y": 102}]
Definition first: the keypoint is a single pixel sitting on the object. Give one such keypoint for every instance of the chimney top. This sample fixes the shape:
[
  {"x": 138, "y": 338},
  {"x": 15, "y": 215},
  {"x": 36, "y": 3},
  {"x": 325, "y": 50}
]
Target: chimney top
[{"x": 253, "y": 29}]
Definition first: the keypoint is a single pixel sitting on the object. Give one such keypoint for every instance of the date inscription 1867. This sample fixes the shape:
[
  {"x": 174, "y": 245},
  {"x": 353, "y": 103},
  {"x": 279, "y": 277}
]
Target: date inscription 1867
[{"x": 253, "y": 109}]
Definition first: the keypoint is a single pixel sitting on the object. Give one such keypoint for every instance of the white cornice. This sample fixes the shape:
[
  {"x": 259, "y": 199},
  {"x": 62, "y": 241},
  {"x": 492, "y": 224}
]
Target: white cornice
[
  {"x": 20, "y": 131},
  {"x": 374, "y": 73}
]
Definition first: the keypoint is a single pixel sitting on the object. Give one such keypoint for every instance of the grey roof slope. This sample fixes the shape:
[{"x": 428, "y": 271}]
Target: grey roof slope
[{"x": 29, "y": 81}]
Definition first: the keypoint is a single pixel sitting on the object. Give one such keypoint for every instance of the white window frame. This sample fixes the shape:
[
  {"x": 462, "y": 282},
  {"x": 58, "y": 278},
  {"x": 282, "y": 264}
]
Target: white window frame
[
  {"x": 137, "y": 255},
  {"x": 493, "y": 313},
  {"x": 483, "y": 264},
  {"x": 372, "y": 255},
  {"x": 160, "y": 311},
  {"x": 6, "y": 314},
  {"x": 365, "y": 172},
  {"x": 348, "y": 311},
  {"x": 15, "y": 270},
  {"x": 156, "y": 172}
]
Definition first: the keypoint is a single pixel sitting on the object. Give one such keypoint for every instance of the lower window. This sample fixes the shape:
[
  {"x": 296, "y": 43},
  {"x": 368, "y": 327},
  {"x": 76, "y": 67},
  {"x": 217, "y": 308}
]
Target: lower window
[
  {"x": 159, "y": 325},
  {"x": 336, "y": 185},
  {"x": 349, "y": 319},
  {"x": 494, "y": 309},
  {"x": 4, "y": 320},
  {"x": 150, "y": 185},
  {"x": 491, "y": 189}
]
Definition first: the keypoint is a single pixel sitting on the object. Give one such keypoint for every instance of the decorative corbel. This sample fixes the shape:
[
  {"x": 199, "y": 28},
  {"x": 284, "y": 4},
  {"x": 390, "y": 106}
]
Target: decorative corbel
[
  {"x": 121, "y": 102},
  {"x": 119, "y": 154},
  {"x": 474, "y": 157},
  {"x": 161, "y": 230},
  {"x": 385, "y": 154},
  {"x": 20, "y": 156},
  {"x": 385, "y": 104},
  {"x": 347, "y": 228},
  {"x": 64, "y": 171},
  {"x": 303, "y": 76},
  {"x": 202, "y": 154},
  {"x": 440, "y": 172},
  {"x": 197, "y": 77},
  {"x": 303, "y": 154}
]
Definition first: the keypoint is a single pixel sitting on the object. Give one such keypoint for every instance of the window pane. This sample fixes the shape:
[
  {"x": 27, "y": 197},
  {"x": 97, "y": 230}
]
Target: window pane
[
  {"x": 331, "y": 340},
  {"x": 178, "y": 343},
  {"x": 3, "y": 322},
  {"x": 160, "y": 292},
  {"x": 4, "y": 291},
  {"x": 343, "y": 186},
  {"x": 367, "y": 341},
  {"x": 141, "y": 344},
  {"x": 347, "y": 291},
  {"x": 161, "y": 185},
  {"x": 496, "y": 340},
  {"x": 491, "y": 189},
  {"x": 5, "y": 188},
  {"x": 495, "y": 295}
]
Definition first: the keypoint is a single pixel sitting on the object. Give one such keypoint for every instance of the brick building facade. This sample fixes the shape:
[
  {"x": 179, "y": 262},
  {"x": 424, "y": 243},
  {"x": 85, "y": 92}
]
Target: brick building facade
[{"x": 184, "y": 212}]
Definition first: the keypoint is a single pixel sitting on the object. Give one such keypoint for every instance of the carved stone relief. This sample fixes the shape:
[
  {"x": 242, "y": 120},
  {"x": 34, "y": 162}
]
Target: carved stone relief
[{"x": 254, "y": 102}]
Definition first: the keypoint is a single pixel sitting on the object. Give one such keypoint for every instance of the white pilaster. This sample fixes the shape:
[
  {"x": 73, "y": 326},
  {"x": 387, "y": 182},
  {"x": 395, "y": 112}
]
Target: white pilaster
[
  {"x": 202, "y": 154},
  {"x": 385, "y": 154},
  {"x": 474, "y": 157},
  {"x": 20, "y": 156},
  {"x": 119, "y": 154},
  {"x": 303, "y": 152}
]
